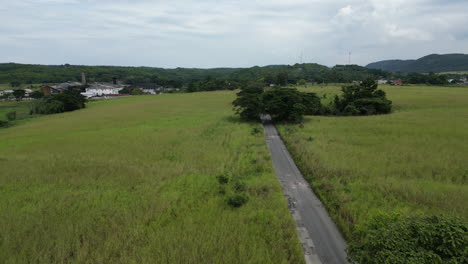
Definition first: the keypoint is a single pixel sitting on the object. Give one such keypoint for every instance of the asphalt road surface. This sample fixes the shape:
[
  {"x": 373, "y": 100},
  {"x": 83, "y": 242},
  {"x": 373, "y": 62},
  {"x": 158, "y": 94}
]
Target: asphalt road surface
[{"x": 320, "y": 238}]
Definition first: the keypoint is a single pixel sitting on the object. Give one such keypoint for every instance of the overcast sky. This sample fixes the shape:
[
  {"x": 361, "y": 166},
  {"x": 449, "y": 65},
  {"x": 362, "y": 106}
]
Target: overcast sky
[{"x": 230, "y": 33}]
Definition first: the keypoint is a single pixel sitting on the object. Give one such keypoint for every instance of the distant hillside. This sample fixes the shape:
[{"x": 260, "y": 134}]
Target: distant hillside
[
  {"x": 27, "y": 73},
  {"x": 430, "y": 63}
]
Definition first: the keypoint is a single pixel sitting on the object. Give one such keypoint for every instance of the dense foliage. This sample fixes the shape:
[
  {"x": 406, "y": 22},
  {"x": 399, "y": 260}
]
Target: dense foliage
[
  {"x": 362, "y": 99},
  {"x": 194, "y": 79},
  {"x": 407, "y": 240},
  {"x": 248, "y": 103},
  {"x": 418, "y": 78},
  {"x": 288, "y": 104},
  {"x": 19, "y": 94},
  {"x": 64, "y": 102},
  {"x": 282, "y": 104}
]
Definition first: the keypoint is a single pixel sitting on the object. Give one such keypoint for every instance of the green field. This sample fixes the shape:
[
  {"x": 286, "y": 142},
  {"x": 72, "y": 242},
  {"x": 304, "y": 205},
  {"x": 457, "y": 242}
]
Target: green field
[
  {"x": 412, "y": 161},
  {"x": 22, "y": 109},
  {"x": 133, "y": 180}
]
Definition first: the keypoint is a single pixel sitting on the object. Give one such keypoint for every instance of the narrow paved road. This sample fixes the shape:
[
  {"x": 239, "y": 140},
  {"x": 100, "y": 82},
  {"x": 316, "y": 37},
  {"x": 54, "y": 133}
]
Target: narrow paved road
[{"x": 321, "y": 240}]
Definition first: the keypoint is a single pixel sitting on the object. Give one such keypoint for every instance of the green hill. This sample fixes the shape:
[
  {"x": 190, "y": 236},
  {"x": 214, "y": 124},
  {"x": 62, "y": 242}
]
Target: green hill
[{"x": 430, "y": 63}]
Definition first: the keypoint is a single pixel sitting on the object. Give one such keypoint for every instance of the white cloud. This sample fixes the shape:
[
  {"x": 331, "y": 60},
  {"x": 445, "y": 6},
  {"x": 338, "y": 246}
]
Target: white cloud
[{"x": 210, "y": 33}]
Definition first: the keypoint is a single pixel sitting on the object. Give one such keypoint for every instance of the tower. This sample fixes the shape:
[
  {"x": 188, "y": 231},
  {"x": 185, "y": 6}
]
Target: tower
[{"x": 83, "y": 78}]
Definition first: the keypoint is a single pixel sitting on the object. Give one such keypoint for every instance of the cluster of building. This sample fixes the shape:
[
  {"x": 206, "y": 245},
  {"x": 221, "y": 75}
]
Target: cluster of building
[
  {"x": 463, "y": 81},
  {"x": 391, "y": 82},
  {"x": 103, "y": 89},
  {"x": 9, "y": 93}
]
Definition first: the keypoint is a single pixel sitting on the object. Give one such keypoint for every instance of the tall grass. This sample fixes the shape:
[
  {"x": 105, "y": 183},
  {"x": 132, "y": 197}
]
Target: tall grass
[
  {"x": 133, "y": 180},
  {"x": 411, "y": 161}
]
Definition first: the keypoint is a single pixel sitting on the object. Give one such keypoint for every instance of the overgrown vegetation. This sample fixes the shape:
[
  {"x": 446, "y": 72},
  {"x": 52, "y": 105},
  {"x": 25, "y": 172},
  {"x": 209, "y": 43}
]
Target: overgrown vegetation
[
  {"x": 412, "y": 162},
  {"x": 138, "y": 174},
  {"x": 411, "y": 239}
]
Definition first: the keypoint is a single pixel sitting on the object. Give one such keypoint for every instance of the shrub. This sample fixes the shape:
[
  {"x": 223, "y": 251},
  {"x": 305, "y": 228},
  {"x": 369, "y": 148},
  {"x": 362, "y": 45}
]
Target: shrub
[
  {"x": 11, "y": 115},
  {"x": 36, "y": 95},
  {"x": 3, "y": 123},
  {"x": 240, "y": 186},
  {"x": 222, "y": 179},
  {"x": 255, "y": 131},
  {"x": 404, "y": 240},
  {"x": 237, "y": 200}
]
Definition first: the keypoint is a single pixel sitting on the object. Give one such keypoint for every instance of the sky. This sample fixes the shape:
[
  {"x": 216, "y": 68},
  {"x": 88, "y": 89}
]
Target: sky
[{"x": 229, "y": 33}]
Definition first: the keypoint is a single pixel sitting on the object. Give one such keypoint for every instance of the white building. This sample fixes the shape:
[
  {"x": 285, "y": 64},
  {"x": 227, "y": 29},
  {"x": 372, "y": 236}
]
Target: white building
[
  {"x": 102, "y": 89},
  {"x": 382, "y": 82},
  {"x": 149, "y": 90},
  {"x": 5, "y": 92}
]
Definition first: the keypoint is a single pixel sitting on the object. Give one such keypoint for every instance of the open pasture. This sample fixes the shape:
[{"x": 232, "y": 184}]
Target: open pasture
[
  {"x": 412, "y": 161},
  {"x": 134, "y": 180}
]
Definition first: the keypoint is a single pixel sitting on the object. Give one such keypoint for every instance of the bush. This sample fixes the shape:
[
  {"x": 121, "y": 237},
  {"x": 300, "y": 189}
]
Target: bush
[
  {"x": 255, "y": 131},
  {"x": 11, "y": 115},
  {"x": 36, "y": 95},
  {"x": 240, "y": 186},
  {"x": 3, "y": 123},
  {"x": 237, "y": 200},
  {"x": 404, "y": 240},
  {"x": 222, "y": 179}
]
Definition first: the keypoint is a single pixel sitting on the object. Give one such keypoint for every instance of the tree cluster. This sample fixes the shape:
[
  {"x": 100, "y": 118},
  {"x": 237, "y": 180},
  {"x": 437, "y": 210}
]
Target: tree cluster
[
  {"x": 282, "y": 104},
  {"x": 290, "y": 105},
  {"x": 362, "y": 99},
  {"x": 431, "y": 79},
  {"x": 64, "y": 102}
]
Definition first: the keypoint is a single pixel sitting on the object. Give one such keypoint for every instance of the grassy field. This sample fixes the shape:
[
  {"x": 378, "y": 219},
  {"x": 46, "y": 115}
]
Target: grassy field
[
  {"x": 411, "y": 161},
  {"x": 21, "y": 108},
  {"x": 134, "y": 180}
]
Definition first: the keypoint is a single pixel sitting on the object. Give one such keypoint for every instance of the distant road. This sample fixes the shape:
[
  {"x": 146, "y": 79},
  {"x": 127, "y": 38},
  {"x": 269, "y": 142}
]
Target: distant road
[{"x": 320, "y": 238}]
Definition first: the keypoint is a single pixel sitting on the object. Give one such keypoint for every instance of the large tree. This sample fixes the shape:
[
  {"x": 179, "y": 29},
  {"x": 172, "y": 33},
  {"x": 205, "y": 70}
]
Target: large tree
[
  {"x": 19, "y": 94},
  {"x": 248, "y": 103},
  {"x": 362, "y": 99},
  {"x": 282, "y": 104}
]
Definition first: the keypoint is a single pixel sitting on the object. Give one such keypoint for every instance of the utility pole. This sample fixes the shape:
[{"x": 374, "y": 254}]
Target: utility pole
[{"x": 349, "y": 58}]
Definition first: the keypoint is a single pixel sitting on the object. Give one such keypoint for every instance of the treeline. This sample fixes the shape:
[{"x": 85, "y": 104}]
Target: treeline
[
  {"x": 419, "y": 78},
  {"x": 197, "y": 79}
]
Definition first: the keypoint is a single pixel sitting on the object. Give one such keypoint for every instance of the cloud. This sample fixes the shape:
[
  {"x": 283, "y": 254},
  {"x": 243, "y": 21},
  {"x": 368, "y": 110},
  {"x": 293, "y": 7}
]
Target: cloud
[{"x": 209, "y": 33}]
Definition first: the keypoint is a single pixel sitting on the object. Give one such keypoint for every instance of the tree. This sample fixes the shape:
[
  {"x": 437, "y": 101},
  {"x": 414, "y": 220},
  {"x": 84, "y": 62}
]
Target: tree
[
  {"x": 36, "y": 95},
  {"x": 15, "y": 84},
  {"x": 64, "y": 102},
  {"x": 19, "y": 94},
  {"x": 282, "y": 78},
  {"x": 290, "y": 105},
  {"x": 362, "y": 99},
  {"x": 302, "y": 82},
  {"x": 136, "y": 91},
  {"x": 248, "y": 103}
]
